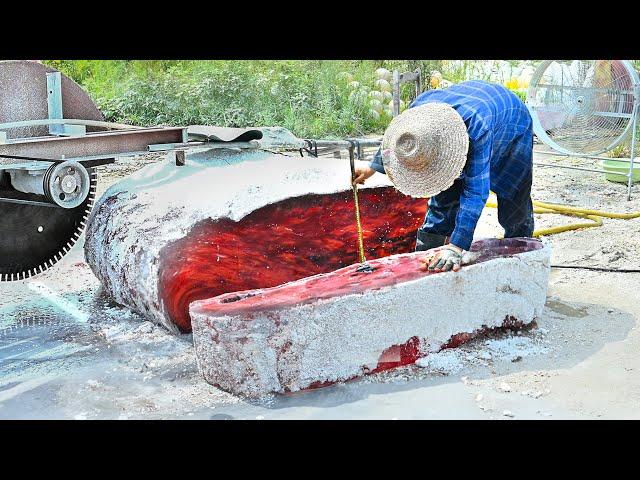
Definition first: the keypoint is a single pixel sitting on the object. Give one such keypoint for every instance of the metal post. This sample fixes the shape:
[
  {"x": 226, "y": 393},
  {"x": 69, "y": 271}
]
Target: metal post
[
  {"x": 633, "y": 143},
  {"x": 54, "y": 106},
  {"x": 54, "y": 100},
  {"x": 396, "y": 93}
]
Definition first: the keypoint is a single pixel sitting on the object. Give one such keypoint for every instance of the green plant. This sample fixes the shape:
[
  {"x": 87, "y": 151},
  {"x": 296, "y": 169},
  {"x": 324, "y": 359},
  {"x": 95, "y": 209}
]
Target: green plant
[
  {"x": 312, "y": 98},
  {"x": 621, "y": 151}
]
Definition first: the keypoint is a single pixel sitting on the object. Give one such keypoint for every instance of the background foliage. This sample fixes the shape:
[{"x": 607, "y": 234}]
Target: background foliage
[{"x": 312, "y": 98}]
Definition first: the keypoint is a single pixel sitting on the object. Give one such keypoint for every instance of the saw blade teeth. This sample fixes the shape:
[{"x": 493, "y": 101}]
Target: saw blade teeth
[{"x": 65, "y": 248}]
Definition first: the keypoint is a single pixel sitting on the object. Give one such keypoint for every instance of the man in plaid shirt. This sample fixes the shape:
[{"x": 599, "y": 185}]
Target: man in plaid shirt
[{"x": 500, "y": 158}]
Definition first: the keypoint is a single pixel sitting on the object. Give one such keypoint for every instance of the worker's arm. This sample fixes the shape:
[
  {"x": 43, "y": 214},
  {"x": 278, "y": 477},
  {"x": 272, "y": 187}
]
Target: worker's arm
[
  {"x": 472, "y": 200},
  {"x": 475, "y": 191},
  {"x": 365, "y": 170},
  {"x": 376, "y": 163}
]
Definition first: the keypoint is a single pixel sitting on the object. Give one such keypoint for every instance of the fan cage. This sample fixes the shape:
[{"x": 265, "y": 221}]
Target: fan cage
[{"x": 585, "y": 108}]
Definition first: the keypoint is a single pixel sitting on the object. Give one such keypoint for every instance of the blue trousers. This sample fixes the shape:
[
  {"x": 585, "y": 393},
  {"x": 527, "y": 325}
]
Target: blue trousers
[{"x": 515, "y": 215}]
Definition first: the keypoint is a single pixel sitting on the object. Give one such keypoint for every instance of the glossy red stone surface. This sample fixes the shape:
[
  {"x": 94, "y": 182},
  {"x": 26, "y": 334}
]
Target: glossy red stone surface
[
  {"x": 285, "y": 241},
  {"x": 347, "y": 280}
]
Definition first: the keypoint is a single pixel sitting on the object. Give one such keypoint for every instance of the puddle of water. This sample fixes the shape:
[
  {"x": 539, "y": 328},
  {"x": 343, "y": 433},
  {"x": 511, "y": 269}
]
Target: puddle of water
[{"x": 567, "y": 310}]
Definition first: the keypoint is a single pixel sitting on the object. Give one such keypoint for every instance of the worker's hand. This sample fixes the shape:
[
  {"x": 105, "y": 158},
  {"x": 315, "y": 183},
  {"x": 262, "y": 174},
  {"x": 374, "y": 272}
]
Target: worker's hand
[
  {"x": 448, "y": 257},
  {"x": 363, "y": 171}
]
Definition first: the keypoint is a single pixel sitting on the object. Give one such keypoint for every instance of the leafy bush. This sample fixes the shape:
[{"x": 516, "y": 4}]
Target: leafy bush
[
  {"x": 312, "y": 98},
  {"x": 307, "y": 97}
]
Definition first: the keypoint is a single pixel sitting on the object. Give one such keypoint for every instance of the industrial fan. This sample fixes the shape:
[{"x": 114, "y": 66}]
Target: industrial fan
[{"x": 583, "y": 107}]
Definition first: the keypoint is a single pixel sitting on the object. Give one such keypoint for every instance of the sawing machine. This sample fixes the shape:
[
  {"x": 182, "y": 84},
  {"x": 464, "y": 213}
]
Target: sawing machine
[{"x": 53, "y": 138}]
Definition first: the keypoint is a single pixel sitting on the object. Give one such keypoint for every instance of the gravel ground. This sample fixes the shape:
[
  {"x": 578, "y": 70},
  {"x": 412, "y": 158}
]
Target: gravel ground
[{"x": 67, "y": 352}]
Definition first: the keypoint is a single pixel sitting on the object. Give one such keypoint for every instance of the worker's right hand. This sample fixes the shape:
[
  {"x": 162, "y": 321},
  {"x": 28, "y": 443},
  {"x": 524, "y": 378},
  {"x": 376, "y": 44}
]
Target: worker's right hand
[{"x": 362, "y": 172}]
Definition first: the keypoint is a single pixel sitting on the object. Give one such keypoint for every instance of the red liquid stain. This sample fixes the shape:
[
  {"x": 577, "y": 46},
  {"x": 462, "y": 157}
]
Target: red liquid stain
[
  {"x": 399, "y": 355},
  {"x": 285, "y": 241},
  {"x": 409, "y": 352}
]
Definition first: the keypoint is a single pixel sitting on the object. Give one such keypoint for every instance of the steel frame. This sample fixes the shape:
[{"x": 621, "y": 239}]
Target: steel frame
[{"x": 400, "y": 78}]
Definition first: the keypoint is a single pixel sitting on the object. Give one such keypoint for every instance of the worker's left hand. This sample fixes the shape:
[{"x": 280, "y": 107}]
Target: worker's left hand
[
  {"x": 448, "y": 257},
  {"x": 362, "y": 172}
]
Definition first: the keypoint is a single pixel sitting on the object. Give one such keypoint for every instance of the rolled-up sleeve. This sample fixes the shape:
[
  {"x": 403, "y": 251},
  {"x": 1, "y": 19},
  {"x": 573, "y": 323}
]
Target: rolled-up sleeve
[
  {"x": 376, "y": 163},
  {"x": 475, "y": 190}
]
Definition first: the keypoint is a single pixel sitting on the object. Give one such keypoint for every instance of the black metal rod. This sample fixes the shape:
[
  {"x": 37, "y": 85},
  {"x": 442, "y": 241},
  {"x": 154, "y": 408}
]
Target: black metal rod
[{"x": 35, "y": 159}]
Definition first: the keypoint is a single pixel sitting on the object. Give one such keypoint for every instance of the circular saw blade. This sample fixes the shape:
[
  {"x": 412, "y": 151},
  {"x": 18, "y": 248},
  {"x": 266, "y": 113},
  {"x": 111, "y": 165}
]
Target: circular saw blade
[{"x": 35, "y": 237}]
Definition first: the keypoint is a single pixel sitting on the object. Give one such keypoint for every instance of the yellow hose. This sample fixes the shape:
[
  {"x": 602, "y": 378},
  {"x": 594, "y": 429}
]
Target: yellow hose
[{"x": 594, "y": 215}]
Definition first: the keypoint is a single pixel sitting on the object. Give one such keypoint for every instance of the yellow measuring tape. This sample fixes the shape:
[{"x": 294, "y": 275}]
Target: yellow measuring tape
[
  {"x": 364, "y": 267},
  {"x": 359, "y": 225}
]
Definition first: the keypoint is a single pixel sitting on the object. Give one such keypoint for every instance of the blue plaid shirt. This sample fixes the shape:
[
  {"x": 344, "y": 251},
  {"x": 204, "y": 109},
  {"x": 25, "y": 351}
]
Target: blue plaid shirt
[{"x": 500, "y": 147}]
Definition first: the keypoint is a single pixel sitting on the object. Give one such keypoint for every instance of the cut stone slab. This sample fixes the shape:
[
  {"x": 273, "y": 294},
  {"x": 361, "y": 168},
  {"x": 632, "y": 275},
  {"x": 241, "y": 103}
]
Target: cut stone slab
[
  {"x": 343, "y": 324},
  {"x": 167, "y": 235}
]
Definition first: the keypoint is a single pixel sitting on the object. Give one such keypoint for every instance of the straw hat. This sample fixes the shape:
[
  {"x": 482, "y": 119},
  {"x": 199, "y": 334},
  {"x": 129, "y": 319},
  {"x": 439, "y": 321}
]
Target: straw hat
[{"x": 424, "y": 149}]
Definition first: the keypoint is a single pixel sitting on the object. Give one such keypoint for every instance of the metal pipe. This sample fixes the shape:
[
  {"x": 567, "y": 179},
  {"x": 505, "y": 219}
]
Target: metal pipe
[
  {"x": 347, "y": 143},
  {"x": 69, "y": 121},
  {"x": 633, "y": 144},
  {"x": 597, "y": 157},
  {"x": 570, "y": 168},
  {"x": 162, "y": 147}
]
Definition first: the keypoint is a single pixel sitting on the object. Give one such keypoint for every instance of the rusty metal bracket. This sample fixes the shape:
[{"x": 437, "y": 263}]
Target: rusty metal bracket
[
  {"x": 54, "y": 108},
  {"x": 400, "y": 78},
  {"x": 180, "y": 158},
  {"x": 311, "y": 148},
  {"x": 93, "y": 145}
]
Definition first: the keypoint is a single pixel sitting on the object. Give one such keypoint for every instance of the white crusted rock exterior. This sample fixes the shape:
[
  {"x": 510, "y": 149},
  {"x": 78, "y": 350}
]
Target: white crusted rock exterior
[
  {"x": 335, "y": 339},
  {"x": 160, "y": 203}
]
